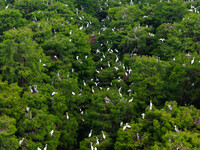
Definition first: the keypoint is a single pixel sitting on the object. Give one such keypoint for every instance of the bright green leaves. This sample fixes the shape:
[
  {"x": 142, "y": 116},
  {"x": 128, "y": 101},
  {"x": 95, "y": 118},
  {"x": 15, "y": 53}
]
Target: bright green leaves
[{"x": 10, "y": 19}]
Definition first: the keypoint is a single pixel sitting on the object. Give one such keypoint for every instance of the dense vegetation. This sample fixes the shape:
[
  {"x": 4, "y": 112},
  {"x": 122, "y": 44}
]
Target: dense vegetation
[{"x": 99, "y": 74}]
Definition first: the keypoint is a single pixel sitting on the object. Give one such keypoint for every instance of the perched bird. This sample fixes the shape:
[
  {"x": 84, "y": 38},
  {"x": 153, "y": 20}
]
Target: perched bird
[
  {"x": 143, "y": 115},
  {"x": 51, "y": 132},
  {"x": 45, "y": 148},
  {"x": 31, "y": 89},
  {"x": 170, "y": 107},
  {"x": 137, "y": 136},
  {"x": 97, "y": 143},
  {"x": 192, "y": 61},
  {"x": 67, "y": 115},
  {"x": 150, "y": 105},
  {"x": 176, "y": 129},
  {"x": 54, "y": 93},
  {"x": 20, "y": 142},
  {"x": 91, "y": 146},
  {"x": 73, "y": 93},
  {"x": 90, "y": 134},
  {"x": 38, "y": 148},
  {"x": 104, "y": 137}
]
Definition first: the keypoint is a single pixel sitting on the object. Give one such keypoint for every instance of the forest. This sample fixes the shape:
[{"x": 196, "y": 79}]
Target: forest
[{"x": 99, "y": 74}]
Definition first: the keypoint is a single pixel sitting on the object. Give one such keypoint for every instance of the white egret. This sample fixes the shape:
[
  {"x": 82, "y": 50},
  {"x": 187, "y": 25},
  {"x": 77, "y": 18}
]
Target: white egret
[
  {"x": 176, "y": 129},
  {"x": 143, "y": 114},
  {"x": 97, "y": 143},
  {"x": 151, "y": 105},
  {"x": 104, "y": 137},
  {"x": 90, "y": 134},
  {"x": 170, "y": 107},
  {"x": 51, "y": 132},
  {"x": 192, "y": 61},
  {"x": 67, "y": 115},
  {"x": 20, "y": 142}
]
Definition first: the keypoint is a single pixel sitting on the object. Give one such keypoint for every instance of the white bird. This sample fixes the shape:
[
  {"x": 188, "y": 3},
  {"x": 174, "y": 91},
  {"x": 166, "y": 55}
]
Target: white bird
[
  {"x": 54, "y": 93},
  {"x": 130, "y": 100},
  {"x": 31, "y": 89},
  {"x": 35, "y": 89},
  {"x": 59, "y": 76},
  {"x": 70, "y": 32},
  {"x": 143, "y": 115},
  {"x": 91, "y": 146},
  {"x": 51, "y": 132},
  {"x": 97, "y": 71},
  {"x": 127, "y": 125},
  {"x": 137, "y": 136},
  {"x": 92, "y": 89},
  {"x": 95, "y": 148},
  {"x": 7, "y": 6},
  {"x": 170, "y": 107},
  {"x": 67, "y": 115},
  {"x": 38, "y": 148},
  {"x": 162, "y": 39},
  {"x": 151, "y": 105},
  {"x": 124, "y": 128},
  {"x": 176, "y": 129},
  {"x": 44, "y": 65},
  {"x": 104, "y": 137},
  {"x": 90, "y": 134},
  {"x": 192, "y": 61},
  {"x": 27, "y": 109},
  {"x": 73, "y": 93},
  {"x": 84, "y": 83},
  {"x": 188, "y": 55},
  {"x": 108, "y": 64},
  {"x": 97, "y": 143},
  {"x": 116, "y": 59},
  {"x": 45, "y": 147},
  {"x": 77, "y": 57},
  {"x": 20, "y": 142}
]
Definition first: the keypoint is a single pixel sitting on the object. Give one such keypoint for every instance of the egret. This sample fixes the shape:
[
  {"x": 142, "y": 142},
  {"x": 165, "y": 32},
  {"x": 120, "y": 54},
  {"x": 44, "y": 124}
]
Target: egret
[
  {"x": 104, "y": 137},
  {"x": 162, "y": 39},
  {"x": 91, "y": 146},
  {"x": 54, "y": 93},
  {"x": 73, "y": 93},
  {"x": 84, "y": 83},
  {"x": 92, "y": 89},
  {"x": 20, "y": 142},
  {"x": 192, "y": 61},
  {"x": 97, "y": 71},
  {"x": 97, "y": 143},
  {"x": 31, "y": 89},
  {"x": 143, "y": 115},
  {"x": 67, "y": 115},
  {"x": 108, "y": 89},
  {"x": 90, "y": 134},
  {"x": 116, "y": 59},
  {"x": 170, "y": 107},
  {"x": 108, "y": 64},
  {"x": 7, "y": 6},
  {"x": 121, "y": 123},
  {"x": 188, "y": 55},
  {"x": 130, "y": 100},
  {"x": 107, "y": 100},
  {"x": 45, "y": 147},
  {"x": 38, "y": 148},
  {"x": 137, "y": 136},
  {"x": 124, "y": 128},
  {"x": 95, "y": 148},
  {"x": 27, "y": 109},
  {"x": 35, "y": 89},
  {"x": 51, "y": 132},
  {"x": 176, "y": 129},
  {"x": 44, "y": 65},
  {"x": 127, "y": 125},
  {"x": 59, "y": 76},
  {"x": 151, "y": 105}
]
